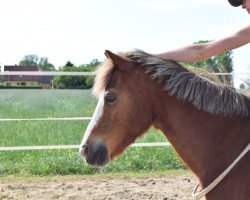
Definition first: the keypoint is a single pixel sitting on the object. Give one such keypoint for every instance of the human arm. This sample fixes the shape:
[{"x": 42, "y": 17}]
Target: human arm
[{"x": 202, "y": 51}]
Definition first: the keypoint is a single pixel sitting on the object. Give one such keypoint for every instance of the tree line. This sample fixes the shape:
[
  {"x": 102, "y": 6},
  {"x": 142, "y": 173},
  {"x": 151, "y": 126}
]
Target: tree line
[
  {"x": 222, "y": 63},
  {"x": 64, "y": 82}
]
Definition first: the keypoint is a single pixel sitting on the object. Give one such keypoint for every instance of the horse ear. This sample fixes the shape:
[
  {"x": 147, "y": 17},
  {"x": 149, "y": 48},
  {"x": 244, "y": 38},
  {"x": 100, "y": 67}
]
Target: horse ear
[{"x": 118, "y": 61}]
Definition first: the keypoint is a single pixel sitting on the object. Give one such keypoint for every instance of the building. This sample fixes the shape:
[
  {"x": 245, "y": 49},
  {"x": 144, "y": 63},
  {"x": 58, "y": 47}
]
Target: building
[
  {"x": 46, "y": 82},
  {"x": 25, "y": 81}
]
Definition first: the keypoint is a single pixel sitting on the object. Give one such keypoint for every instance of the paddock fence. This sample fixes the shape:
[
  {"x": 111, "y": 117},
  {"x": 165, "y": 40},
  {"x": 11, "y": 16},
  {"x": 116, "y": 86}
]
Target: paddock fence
[{"x": 41, "y": 73}]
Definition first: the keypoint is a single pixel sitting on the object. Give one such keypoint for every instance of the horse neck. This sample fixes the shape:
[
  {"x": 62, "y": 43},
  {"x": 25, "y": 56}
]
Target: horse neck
[{"x": 199, "y": 137}]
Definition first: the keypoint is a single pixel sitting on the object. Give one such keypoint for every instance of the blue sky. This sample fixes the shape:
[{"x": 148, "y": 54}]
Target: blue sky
[{"x": 80, "y": 30}]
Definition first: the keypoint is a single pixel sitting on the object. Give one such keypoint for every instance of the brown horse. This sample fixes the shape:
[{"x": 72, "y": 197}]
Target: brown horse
[{"x": 208, "y": 124}]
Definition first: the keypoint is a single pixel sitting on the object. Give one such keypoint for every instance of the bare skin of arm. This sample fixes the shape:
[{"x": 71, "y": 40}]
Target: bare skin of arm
[{"x": 198, "y": 52}]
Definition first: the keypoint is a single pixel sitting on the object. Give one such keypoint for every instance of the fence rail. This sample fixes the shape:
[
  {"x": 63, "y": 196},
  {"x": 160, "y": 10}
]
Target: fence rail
[
  {"x": 78, "y": 73},
  {"x": 60, "y": 73},
  {"x": 25, "y": 148},
  {"x": 47, "y": 119},
  {"x": 41, "y": 73}
]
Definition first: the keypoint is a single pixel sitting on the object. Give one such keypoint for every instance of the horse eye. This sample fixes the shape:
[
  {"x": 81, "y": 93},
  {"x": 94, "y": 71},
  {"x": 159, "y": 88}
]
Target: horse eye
[{"x": 110, "y": 98}]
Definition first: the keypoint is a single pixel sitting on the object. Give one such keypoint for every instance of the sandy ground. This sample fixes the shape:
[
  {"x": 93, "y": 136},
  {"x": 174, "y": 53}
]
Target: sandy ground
[{"x": 165, "y": 187}]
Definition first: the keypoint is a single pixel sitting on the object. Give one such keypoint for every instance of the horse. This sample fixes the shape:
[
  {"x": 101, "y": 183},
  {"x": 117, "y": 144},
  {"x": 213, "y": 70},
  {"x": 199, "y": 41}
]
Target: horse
[{"x": 207, "y": 123}]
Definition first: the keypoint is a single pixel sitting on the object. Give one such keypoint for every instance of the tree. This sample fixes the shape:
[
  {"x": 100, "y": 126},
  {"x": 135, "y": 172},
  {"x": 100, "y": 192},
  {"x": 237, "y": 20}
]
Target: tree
[
  {"x": 29, "y": 60},
  {"x": 246, "y": 79},
  {"x": 44, "y": 64},
  {"x": 222, "y": 63},
  {"x": 69, "y": 64},
  {"x": 33, "y": 60},
  {"x": 76, "y": 81},
  {"x": 94, "y": 63}
]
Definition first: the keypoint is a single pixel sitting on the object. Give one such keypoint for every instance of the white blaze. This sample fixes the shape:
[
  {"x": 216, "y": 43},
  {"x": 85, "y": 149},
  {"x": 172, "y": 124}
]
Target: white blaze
[{"x": 97, "y": 115}]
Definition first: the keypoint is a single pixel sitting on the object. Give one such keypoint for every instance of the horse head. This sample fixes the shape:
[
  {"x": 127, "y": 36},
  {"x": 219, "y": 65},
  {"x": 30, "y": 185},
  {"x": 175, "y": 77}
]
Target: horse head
[{"x": 123, "y": 112}]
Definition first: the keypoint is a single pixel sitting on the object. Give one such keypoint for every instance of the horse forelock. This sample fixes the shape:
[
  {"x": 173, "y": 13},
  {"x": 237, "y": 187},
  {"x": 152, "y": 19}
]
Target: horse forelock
[
  {"x": 183, "y": 84},
  {"x": 103, "y": 75}
]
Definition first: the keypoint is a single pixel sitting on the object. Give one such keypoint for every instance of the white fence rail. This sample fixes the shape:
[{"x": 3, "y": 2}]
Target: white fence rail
[
  {"x": 25, "y": 148},
  {"x": 47, "y": 119},
  {"x": 62, "y": 73},
  {"x": 41, "y": 73}
]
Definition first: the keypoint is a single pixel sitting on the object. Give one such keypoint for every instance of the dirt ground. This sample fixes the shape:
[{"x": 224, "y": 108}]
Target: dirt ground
[{"x": 164, "y": 187}]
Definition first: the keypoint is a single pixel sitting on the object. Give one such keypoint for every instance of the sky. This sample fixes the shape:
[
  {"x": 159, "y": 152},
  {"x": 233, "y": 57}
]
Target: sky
[{"x": 80, "y": 30}]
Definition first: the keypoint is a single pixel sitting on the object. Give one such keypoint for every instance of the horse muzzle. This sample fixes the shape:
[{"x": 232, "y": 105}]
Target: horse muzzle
[{"x": 95, "y": 153}]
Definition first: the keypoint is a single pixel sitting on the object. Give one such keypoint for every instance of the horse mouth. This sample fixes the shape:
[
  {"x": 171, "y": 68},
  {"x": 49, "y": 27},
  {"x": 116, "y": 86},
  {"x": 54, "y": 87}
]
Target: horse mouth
[{"x": 96, "y": 155}]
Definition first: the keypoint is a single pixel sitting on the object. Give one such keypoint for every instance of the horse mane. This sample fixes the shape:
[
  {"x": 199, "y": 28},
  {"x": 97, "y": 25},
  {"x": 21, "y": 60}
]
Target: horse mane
[{"x": 183, "y": 84}]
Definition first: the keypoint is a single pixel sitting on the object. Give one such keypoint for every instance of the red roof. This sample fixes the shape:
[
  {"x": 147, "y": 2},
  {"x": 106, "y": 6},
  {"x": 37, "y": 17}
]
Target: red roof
[
  {"x": 39, "y": 79},
  {"x": 20, "y": 68}
]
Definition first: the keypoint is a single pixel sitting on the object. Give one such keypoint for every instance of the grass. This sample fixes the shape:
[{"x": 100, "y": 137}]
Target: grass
[{"x": 65, "y": 103}]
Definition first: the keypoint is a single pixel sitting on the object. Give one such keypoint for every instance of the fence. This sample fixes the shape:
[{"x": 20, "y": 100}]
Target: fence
[{"x": 40, "y": 73}]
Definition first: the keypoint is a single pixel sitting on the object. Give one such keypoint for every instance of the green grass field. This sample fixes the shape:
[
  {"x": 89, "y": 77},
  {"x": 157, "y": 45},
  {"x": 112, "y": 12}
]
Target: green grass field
[{"x": 65, "y": 103}]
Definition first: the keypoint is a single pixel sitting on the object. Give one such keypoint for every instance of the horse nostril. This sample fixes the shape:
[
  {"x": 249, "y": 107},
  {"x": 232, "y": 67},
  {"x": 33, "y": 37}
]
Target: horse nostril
[{"x": 85, "y": 149}]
